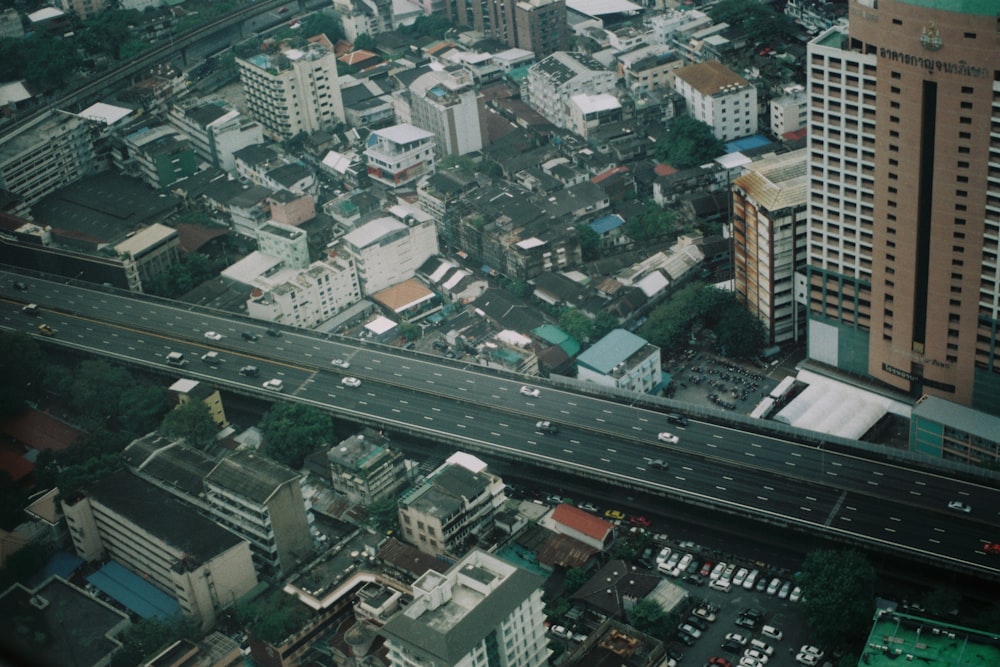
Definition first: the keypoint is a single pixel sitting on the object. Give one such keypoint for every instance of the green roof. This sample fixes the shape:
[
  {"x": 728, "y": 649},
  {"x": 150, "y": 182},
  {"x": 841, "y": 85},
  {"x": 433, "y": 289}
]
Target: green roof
[{"x": 976, "y": 7}]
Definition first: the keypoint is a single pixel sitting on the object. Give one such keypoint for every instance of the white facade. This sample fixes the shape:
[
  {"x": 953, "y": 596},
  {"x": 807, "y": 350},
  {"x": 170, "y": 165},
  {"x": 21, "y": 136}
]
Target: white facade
[
  {"x": 287, "y": 243},
  {"x": 790, "y": 112},
  {"x": 216, "y": 130},
  {"x": 717, "y": 96},
  {"x": 38, "y": 161},
  {"x": 308, "y": 297},
  {"x": 588, "y": 112},
  {"x": 389, "y": 250},
  {"x": 448, "y": 104},
  {"x": 292, "y": 92},
  {"x": 553, "y": 81},
  {"x": 482, "y": 611},
  {"x": 621, "y": 360},
  {"x": 400, "y": 154}
]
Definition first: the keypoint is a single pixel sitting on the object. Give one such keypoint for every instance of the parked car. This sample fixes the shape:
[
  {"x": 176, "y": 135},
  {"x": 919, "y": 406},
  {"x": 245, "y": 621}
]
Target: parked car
[
  {"x": 746, "y": 623},
  {"x": 640, "y": 521},
  {"x": 736, "y": 637},
  {"x": 813, "y": 650},
  {"x": 697, "y": 622},
  {"x": 762, "y": 646},
  {"x": 740, "y": 576},
  {"x": 663, "y": 555},
  {"x": 588, "y": 507},
  {"x": 559, "y": 631},
  {"x": 757, "y": 655},
  {"x": 717, "y": 571},
  {"x": 555, "y": 499},
  {"x": 751, "y": 579},
  {"x": 786, "y": 588},
  {"x": 614, "y": 515},
  {"x": 795, "y": 595},
  {"x": 773, "y": 587},
  {"x": 691, "y": 630},
  {"x": 705, "y": 613},
  {"x": 772, "y": 632},
  {"x": 716, "y": 661},
  {"x": 350, "y": 382},
  {"x": 685, "y": 638},
  {"x": 533, "y": 392},
  {"x": 731, "y": 646},
  {"x": 807, "y": 659},
  {"x": 761, "y": 585},
  {"x": 706, "y": 568}
]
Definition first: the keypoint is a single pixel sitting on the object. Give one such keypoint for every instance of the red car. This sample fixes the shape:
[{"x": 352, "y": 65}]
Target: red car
[
  {"x": 706, "y": 569},
  {"x": 640, "y": 521},
  {"x": 719, "y": 662},
  {"x": 993, "y": 548}
]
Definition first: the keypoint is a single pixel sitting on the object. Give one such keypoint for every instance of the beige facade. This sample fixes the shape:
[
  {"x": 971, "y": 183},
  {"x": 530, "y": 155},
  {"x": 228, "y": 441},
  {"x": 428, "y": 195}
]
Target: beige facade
[
  {"x": 366, "y": 469},
  {"x": 905, "y": 205}
]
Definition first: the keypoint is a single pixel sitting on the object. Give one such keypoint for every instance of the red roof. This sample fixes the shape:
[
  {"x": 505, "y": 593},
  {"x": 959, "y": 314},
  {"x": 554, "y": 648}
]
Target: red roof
[
  {"x": 664, "y": 170},
  {"x": 15, "y": 465},
  {"x": 610, "y": 172},
  {"x": 39, "y": 430},
  {"x": 796, "y": 135},
  {"x": 583, "y": 522}
]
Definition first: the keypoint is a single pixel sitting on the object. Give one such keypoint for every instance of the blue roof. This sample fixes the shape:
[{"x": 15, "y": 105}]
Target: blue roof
[
  {"x": 134, "y": 592},
  {"x": 746, "y": 143},
  {"x": 611, "y": 350},
  {"x": 607, "y": 223},
  {"x": 62, "y": 563}
]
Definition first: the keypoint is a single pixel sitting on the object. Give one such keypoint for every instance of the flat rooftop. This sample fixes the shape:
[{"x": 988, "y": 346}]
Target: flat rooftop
[{"x": 898, "y": 639}]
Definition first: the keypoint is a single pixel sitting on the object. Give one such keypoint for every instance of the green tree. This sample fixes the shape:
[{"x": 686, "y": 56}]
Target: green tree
[
  {"x": 142, "y": 408},
  {"x": 761, "y": 22},
  {"x": 839, "y": 595},
  {"x": 670, "y": 324},
  {"x": 651, "y": 224},
  {"x": 144, "y": 639},
  {"x": 433, "y": 26},
  {"x": 22, "y": 372},
  {"x": 193, "y": 422},
  {"x": 273, "y": 617},
  {"x": 384, "y": 513},
  {"x": 647, "y": 616},
  {"x": 106, "y": 31},
  {"x": 52, "y": 62},
  {"x": 317, "y": 23},
  {"x": 575, "y": 578},
  {"x": 410, "y": 331},
  {"x": 576, "y": 324},
  {"x": 590, "y": 242},
  {"x": 521, "y": 289},
  {"x": 738, "y": 333},
  {"x": 604, "y": 323},
  {"x": 98, "y": 388},
  {"x": 688, "y": 142},
  {"x": 291, "y": 431},
  {"x": 941, "y": 601},
  {"x": 365, "y": 42},
  {"x": 74, "y": 478}
]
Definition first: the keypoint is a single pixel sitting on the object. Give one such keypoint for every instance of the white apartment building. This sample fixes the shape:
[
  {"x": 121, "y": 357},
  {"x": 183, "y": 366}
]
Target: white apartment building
[
  {"x": 621, "y": 360},
  {"x": 448, "y": 104},
  {"x": 588, "y": 112},
  {"x": 305, "y": 297},
  {"x": 790, "y": 112},
  {"x": 456, "y": 502},
  {"x": 390, "y": 249},
  {"x": 770, "y": 201},
  {"x": 366, "y": 469},
  {"x": 296, "y": 90},
  {"x": 287, "y": 243},
  {"x": 482, "y": 611},
  {"x": 261, "y": 501},
  {"x": 719, "y": 97},
  {"x": 400, "y": 154},
  {"x": 553, "y": 81},
  {"x": 216, "y": 130},
  {"x": 39, "y": 160},
  {"x": 203, "y": 566}
]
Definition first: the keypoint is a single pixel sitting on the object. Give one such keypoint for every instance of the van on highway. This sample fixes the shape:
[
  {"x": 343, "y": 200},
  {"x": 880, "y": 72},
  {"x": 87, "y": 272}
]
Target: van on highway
[
  {"x": 31, "y": 309},
  {"x": 176, "y": 359}
]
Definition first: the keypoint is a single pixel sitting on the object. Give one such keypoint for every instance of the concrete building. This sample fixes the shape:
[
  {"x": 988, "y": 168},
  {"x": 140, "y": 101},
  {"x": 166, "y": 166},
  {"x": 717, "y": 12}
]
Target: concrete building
[
  {"x": 159, "y": 155},
  {"x": 10, "y": 24},
  {"x": 305, "y": 297},
  {"x": 366, "y": 469},
  {"x": 589, "y": 112},
  {"x": 456, "y": 502},
  {"x": 153, "y": 250},
  {"x": 718, "y": 97},
  {"x": 37, "y": 161},
  {"x": 538, "y": 26},
  {"x": 400, "y": 154},
  {"x": 621, "y": 360},
  {"x": 770, "y": 202},
  {"x": 294, "y": 91},
  {"x": 954, "y": 432},
  {"x": 287, "y": 243},
  {"x": 790, "y": 112},
  {"x": 261, "y": 501},
  {"x": 186, "y": 390},
  {"x": 553, "y": 81},
  {"x": 442, "y": 195},
  {"x": 216, "y": 129},
  {"x": 390, "y": 249},
  {"x": 121, "y": 517},
  {"x": 904, "y": 234},
  {"x": 448, "y": 104},
  {"x": 482, "y": 611}
]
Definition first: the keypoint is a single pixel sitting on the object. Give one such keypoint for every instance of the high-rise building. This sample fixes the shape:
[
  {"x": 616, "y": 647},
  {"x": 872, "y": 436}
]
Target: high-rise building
[
  {"x": 448, "y": 104},
  {"x": 482, "y": 611},
  {"x": 296, "y": 90},
  {"x": 904, "y": 167},
  {"x": 538, "y": 26}
]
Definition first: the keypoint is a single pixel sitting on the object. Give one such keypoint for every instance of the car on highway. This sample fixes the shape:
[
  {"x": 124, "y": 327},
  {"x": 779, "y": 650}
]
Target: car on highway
[
  {"x": 213, "y": 335},
  {"x": 533, "y": 392},
  {"x": 668, "y": 438},
  {"x": 992, "y": 548},
  {"x": 659, "y": 464},
  {"x": 46, "y": 330},
  {"x": 675, "y": 418},
  {"x": 772, "y": 632},
  {"x": 249, "y": 336},
  {"x": 31, "y": 309},
  {"x": 614, "y": 515},
  {"x": 274, "y": 385},
  {"x": 547, "y": 427},
  {"x": 19, "y": 286},
  {"x": 340, "y": 363},
  {"x": 250, "y": 371},
  {"x": 350, "y": 382},
  {"x": 274, "y": 333},
  {"x": 959, "y": 506}
]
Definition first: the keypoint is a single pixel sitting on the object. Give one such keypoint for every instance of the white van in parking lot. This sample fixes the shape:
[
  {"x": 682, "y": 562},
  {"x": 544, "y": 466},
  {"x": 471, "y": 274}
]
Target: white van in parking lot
[{"x": 723, "y": 585}]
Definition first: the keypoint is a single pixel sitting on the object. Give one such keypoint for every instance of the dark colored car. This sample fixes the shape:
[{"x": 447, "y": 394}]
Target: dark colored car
[
  {"x": 274, "y": 332},
  {"x": 249, "y": 336},
  {"x": 547, "y": 427},
  {"x": 19, "y": 286},
  {"x": 250, "y": 371}
]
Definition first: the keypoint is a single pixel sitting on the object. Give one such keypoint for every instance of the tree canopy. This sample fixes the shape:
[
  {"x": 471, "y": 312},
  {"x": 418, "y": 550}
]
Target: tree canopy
[
  {"x": 590, "y": 242},
  {"x": 839, "y": 599},
  {"x": 653, "y": 223},
  {"x": 761, "y": 22},
  {"x": 193, "y": 422},
  {"x": 576, "y": 323},
  {"x": 291, "y": 431},
  {"x": 22, "y": 372},
  {"x": 688, "y": 142},
  {"x": 434, "y": 26},
  {"x": 317, "y": 23}
]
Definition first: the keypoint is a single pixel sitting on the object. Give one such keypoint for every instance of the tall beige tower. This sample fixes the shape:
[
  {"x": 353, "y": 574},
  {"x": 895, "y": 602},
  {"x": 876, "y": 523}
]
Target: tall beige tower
[{"x": 903, "y": 283}]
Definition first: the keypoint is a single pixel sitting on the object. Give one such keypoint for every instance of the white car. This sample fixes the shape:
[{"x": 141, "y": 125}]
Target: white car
[
  {"x": 959, "y": 506},
  {"x": 588, "y": 507},
  {"x": 757, "y": 655},
  {"x": 795, "y": 595},
  {"x": 786, "y": 588},
  {"x": 750, "y": 580},
  {"x": 530, "y": 391},
  {"x": 274, "y": 385},
  {"x": 813, "y": 650},
  {"x": 772, "y": 632},
  {"x": 212, "y": 335},
  {"x": 807, "y": 659},
  {"x": 340, "y": 363},
  {"x": 691, "y": 630},
  {"x": 351, "y": 382},
  {"x": 740, "y": 576},
  {"x": 559, "y": 631},
  {"x": 668, "y": 437},
  {"x": 717, "y": 571},
  {"x": 663, "y": 555},
  {"x": 773, "y": 587},
  {"x": 747, "y": 661},
  {"x": 736, "y": 637}
]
